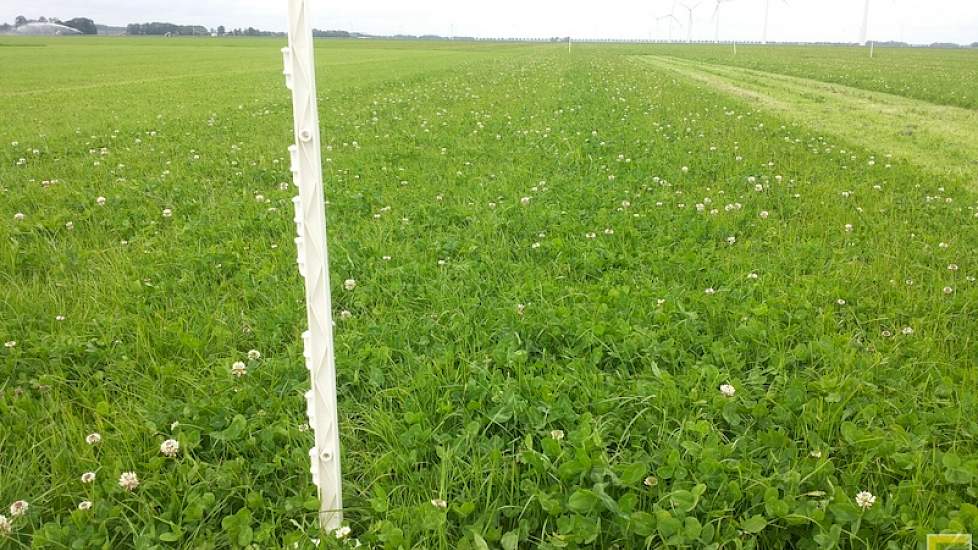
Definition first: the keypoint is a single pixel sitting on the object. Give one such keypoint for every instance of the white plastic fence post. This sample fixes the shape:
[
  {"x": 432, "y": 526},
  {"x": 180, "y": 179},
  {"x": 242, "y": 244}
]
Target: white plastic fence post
[{"x": 310, "y": 219}]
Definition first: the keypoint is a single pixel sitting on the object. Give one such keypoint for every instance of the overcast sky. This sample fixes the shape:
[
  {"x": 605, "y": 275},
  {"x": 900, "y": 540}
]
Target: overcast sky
[{"x": 920, "y": 21}]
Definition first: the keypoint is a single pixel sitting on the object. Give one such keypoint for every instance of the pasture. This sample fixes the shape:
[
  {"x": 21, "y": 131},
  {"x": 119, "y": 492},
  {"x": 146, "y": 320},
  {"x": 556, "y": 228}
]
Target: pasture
[{"x": 602, "y": 298}]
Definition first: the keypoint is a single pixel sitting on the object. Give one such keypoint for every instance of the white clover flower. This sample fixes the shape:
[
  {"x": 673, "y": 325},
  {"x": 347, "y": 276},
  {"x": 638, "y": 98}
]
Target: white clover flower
[
  {"x": 865, "y": 500},
  {"x": 952, "y": 267},
  {"x": 590, "y": 235},
  {"x": 88, "y": 477},
  {"x": 5, "y": 527},
  {"x": 345, "y": 314},
  {"x": 342, "y": 532},
  {"x": 948, "y": 290},
  {"x": 710, "y": 290},
  {"x": 93, "y": 438},
  {"x": 764, "y": 214},
  {"x": 129, "y": 481},
  {"x": 10, "y": 343},
  {"x": 557, "y": 435},
  {"x": 609, "y": 231},
  {"x": 753, "y": 275},
  {"x": 815, "y": 453},
  {"x": 260, "y": 198},
  {"x": 170, "y": 448},
  {"x": 84, "y": 505},
  {"x": 525, "y": 201},
  {"x": 167, "y": 212},
  {"x": 100, "y": 201},
  {"x": 69, "y": 226},
  {"x": 350, "y": 284},
  {"x": 626, "y": 204},
  {"x": 18, "y": 508},
  {"x": 848, "y": 228},
  {"x": 239, "y": 369},
  {"x": 841, "y": 302},
  {"x": 254, "y": 355},
  {"x": 886, "y": 334},
  {"x": 907, "y": 331},
  {"x": 685, "y": 169},
  {"x": 731, "y": 240},
  {"x": 520, "y": 309},
  {"x": 650, "y": 481},
  {"x": 439, "y": 503},
  {"x": 727, "y": 390},
  {"x": 758, "y": 188},
  {"x": 19, "y": 217}
]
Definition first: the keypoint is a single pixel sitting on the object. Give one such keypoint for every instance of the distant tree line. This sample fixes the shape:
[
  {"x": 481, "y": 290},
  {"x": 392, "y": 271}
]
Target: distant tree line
[
  {"x": 316, "y": 33},
  {"x": 82, "y": 24},
  {"x": 250, "y": 31},
  {"x": 160, "y": 29}
]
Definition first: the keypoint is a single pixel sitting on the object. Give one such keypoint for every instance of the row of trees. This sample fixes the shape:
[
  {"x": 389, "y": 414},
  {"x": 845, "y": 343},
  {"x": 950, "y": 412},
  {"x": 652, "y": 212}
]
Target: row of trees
[
  {"x": 160, "y": 29},
  {"x": 82, "y": 24},
  {"x": 250, "y": 31}
]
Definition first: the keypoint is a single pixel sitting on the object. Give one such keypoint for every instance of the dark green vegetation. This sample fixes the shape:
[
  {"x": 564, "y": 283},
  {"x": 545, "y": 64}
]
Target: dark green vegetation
[{"x": 551, "y": 370}]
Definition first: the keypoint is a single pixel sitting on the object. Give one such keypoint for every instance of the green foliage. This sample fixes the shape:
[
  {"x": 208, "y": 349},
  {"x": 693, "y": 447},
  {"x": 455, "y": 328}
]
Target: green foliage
[
  {"x": 83, "y": 24},
  {"x": 539, "y": 375}
]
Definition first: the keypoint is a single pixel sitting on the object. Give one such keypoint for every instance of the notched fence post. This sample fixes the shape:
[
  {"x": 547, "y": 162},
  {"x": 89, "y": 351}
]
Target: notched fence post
[{"x": 313, "y": 263}]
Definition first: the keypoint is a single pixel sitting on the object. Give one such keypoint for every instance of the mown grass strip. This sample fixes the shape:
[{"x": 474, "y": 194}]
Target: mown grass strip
[{"x": 939, "y": 138}]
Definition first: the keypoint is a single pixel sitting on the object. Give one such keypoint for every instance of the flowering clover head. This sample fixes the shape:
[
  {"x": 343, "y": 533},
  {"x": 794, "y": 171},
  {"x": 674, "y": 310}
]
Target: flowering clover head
[
  {"x": 170, "y": 448},
  {"x": 129, "y": 481},
  {"x": 865, "y": 500}
]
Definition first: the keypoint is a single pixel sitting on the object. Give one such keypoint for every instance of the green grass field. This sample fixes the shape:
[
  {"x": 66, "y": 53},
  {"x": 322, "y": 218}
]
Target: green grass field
[
  {"x": 943, "y": 77},
  {"x": 560, "y": 259}
]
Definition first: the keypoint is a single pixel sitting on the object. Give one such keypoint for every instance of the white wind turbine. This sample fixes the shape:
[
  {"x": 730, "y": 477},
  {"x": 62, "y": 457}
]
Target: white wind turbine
[
  {"x": 716, "y": 19},
  {"x": 671, "y": 19},
  {"x": 864, "y": 30},
  {"x": 689, "y": 25},
  {"x": 767, "y": 13}
]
